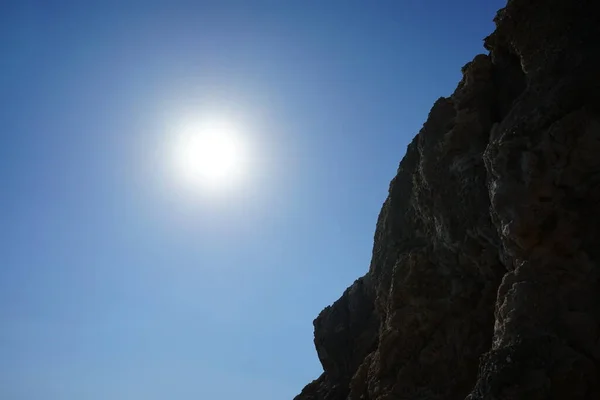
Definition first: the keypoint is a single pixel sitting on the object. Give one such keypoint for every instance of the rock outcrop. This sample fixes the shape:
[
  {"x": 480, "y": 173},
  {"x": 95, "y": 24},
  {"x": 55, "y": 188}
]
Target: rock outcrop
[{"x": 485, "y": 275}]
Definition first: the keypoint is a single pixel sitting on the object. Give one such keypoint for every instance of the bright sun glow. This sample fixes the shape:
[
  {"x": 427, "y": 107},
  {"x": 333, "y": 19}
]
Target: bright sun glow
[{"x": 210, "y": 153}]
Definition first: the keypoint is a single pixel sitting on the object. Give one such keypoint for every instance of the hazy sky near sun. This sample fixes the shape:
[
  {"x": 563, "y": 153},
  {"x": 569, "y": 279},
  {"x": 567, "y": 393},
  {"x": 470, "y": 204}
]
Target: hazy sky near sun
[{"x": 117, "y": 282}]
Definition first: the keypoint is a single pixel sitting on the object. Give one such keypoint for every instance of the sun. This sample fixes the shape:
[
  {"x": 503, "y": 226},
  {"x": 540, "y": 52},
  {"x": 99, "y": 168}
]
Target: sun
[{"x": 209, "y": 153}]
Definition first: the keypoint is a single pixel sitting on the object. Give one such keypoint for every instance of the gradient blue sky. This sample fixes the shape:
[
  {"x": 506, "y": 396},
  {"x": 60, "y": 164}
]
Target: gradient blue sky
[{"x": 117, "y": 284}]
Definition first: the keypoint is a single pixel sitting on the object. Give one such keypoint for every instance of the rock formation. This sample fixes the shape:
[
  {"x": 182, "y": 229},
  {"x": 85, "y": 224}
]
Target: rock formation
[{"x": 485, "y": 276}]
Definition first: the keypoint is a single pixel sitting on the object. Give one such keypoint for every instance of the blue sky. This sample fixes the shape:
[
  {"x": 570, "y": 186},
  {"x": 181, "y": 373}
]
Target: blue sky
[{"x": 114, "y": 282}]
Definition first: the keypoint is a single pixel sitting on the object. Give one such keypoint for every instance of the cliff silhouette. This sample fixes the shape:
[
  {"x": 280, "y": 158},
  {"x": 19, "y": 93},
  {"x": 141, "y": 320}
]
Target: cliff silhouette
[{"x": 485, "y": 275}]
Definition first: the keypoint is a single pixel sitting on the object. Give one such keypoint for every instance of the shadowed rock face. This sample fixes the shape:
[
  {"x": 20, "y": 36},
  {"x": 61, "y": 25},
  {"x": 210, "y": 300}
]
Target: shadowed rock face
[{"x": 485, "y": 276}]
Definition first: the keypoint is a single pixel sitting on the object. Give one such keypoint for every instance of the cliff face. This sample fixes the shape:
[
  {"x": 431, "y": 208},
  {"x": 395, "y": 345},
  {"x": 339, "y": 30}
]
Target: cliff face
[{"x": 485, "y": 276}]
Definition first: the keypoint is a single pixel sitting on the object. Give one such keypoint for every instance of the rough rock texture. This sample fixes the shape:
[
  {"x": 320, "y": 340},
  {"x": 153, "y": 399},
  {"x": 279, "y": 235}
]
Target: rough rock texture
[{"x": 485, "y": 276}]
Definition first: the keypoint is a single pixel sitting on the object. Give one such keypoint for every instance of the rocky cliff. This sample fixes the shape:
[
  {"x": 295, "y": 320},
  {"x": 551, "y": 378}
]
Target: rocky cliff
[{"x": 485, "y": 276}]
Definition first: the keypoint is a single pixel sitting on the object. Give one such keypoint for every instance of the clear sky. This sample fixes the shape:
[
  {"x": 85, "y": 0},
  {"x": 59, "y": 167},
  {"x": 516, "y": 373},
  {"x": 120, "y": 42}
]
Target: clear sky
[{"x": 119, "y": 282}]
